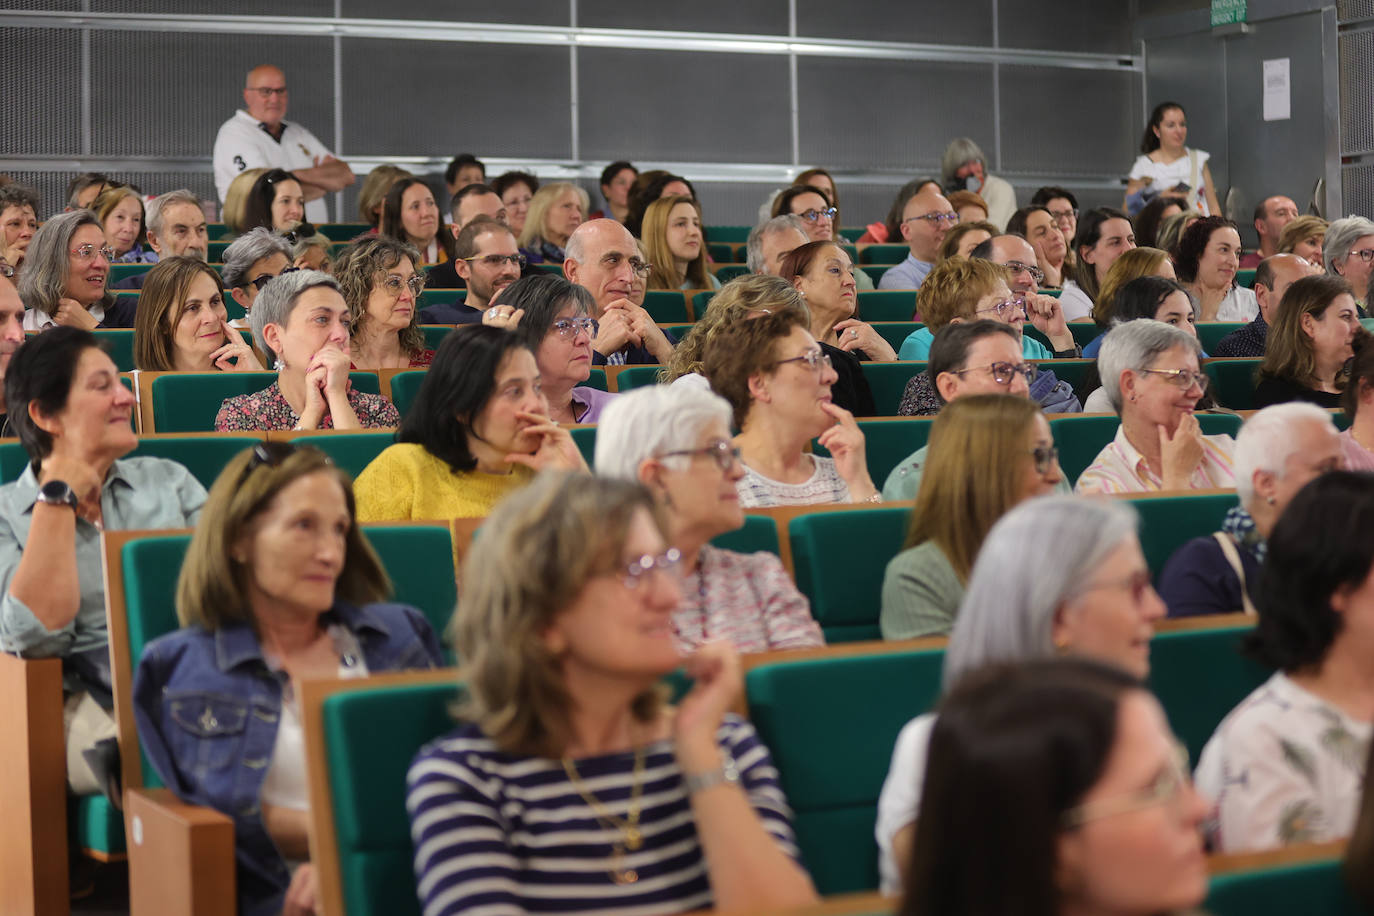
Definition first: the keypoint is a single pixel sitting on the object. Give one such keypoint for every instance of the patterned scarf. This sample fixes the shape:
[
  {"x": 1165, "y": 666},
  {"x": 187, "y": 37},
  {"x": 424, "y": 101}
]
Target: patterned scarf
[{"x": 1240, "y": 526}]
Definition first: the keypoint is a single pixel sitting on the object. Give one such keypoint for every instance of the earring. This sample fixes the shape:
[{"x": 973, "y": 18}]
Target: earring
[
  {"x": 279, "y": 366},
  {"x": 1270, "y": 500}
]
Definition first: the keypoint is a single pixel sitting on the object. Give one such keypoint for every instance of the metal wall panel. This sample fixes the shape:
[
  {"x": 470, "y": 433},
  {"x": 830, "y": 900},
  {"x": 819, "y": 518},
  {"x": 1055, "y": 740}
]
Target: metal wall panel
[
  {"x": 759, "y": 17},
  {"x": 1092, "y": 26},
  {"x": 1357, "y": 88},
  {"x": 1190, "y": 70},
  {"x": 323, "y": 8},
  {"x": 41, "y": 84},
  {"x": 925, "y": 21},
  {"x": 680, "y": 107},
  {"x": 883, "y": 114},
  {"x": 1068, "y": 121},
  {"x": 1351, "y": 10},
  {"x": 526, "y": 12},
  {"x": 1358, "y": 185}
]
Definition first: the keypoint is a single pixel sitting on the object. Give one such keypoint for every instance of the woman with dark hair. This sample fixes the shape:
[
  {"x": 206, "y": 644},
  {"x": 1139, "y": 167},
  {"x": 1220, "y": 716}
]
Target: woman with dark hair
[
  {"x": 824, "y": 275},
  {"x": 1103, "y": 236},
  {"x": 814, "y": 208},
  {"x": 1055, "y": 787},
  {"x": 663, "y": 184},
  {"x": 275, "y": 201},
  {"x": 1309, "y": 344},
  {"x": 1152, "y": 215},
  {"x": 279, "y": 578},
  {"x": 1287, "y": 765},
  {"x": 516, "y": 190},
  {"x": 410, "y": 216},
  {"x": 1207, "y": 259},
  {"x": 616, "y": 181},
  {"x": 1167, "y": 166},
  {"x": 1046, "y": 239},
  {"x": 18, "y": 222},
  {"x": 1357, "y": 442},
  {"x": 381, "y": 283},
  {"x": 478, "y": 430}
]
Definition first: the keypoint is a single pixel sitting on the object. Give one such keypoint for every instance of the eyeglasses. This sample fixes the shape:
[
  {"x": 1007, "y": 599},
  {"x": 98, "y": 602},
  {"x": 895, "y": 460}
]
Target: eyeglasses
[
  {"x": 1166, "y": 788},
  {"x": 1046, "y": 458},
  {"x": 1182, "y": 379},
  {"x": 496, "y": 260},
  {"x": 816, "y": 360},
  {"x": 1007, "y": 308},
  {"x": 568, "y": 328},
  {"x": 261, "y": 280},
  {"x": 1137, "y": 583},
  {"x": 88, "y": 252},
  {"x": 613, "y": 261},
  {"x": 1003, "y": 373},
  {"x": 1017, "y": 267},
  {"x": 266, "y": 92},
  {"x": 393, "y": 284},
  {"x": 666, "y": 562},
  {"x": 1365, "y": 254},
  {"x": 813, "y": 215},
  {"x": 949, "y": 219},
  {"x": 1063, "y": 216},
  {"x": 721, "y": 451}
]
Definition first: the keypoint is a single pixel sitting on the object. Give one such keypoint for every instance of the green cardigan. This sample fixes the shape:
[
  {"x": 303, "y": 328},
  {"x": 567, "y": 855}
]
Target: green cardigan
[{"x": 921, "y": 594}]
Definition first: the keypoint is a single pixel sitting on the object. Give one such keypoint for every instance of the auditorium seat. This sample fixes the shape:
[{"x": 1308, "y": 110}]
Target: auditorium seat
[
  {"x": 215, "y": 251},
  {"x": 1315, "y": 886},
  {"x": 886, "y": 305},
  {"x": 759, "y": 533},
  {"x": 838, "y": 560},
  {"x": 1199, "y": 674},
  {"x": 405, "y": 384},
  {"x": 666, "y": 306},
  {"x": 121, "y": 271},
  {"x": 631, "y": 377},
  {"x": 1246, "y": 278},
  {"x": 883, "y": 254},
  {"x": 875, "y": 271},
  {"x": 343, "y": 232},
  {"x": 350, "y": 451},
  {"x": 1073, "y": 371},
  {"x": 584, "y": 437},
  {"x": 888, "y": 382},
  {"x": 440, "y": 296},
  {"x": 1210, "y": 333},
  {"x": 700, "y": 300},
  {"x": 1167, "y": 521},
  {"x": 896, "y": 332},
  {"x": 187, "y": 402},
  {"x": 1084, "y": 332},
  {"x": 887, "y": 440},
  {"x": 435, "y": 334},
  {"x": 735, "y": 234},
  {"x": 1233, "y": 381},
  {"x": 720, "y": 252},
  {"x": 119, "y": 344},
  {"x": 727, "y": 272}
]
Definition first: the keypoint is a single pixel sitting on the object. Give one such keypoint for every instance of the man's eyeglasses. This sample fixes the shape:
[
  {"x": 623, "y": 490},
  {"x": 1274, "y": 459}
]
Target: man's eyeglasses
[
  {"x": 88, "y": 252},
  {"x": 613, "y": 261},
  {"x": 666, "y": 562},
  {"x": 1364, "y": 254},
  {"x": 1046, "y": 457},
  {"x": 721, "y": 451},
  {"x": 1166, "y": 788},
  {"x": 568, "y": 328},
  {"x": 816, "y": 360},
  {"x": 1063, "y": 216},
  {"x": 1017, "y": 267},
  {"x": 496, "y": 260},
  {"x": 813, "y": 215},
  {"x": 1003, "y": 373},
  {"x": 262, "y": 280},
  {"x": 1007, "y": 308},
  {"x": 266, "y": 92},
  {"x": 393, "y": 284},
  {"x": 1182, "y": 379},
  {"x": 949, "y": 219}
]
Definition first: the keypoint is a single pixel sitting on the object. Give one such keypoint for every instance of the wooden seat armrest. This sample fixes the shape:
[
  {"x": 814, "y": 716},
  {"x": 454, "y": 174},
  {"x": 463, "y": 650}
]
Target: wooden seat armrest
[{"x": 181, "y": 857}]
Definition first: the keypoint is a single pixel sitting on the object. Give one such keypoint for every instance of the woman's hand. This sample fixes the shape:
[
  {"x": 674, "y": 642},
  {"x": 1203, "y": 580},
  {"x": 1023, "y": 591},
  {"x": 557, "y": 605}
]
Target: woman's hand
[
  {"x": 1180, "y": 454},
  {"x": 73, "y": 314},
  {"x": 719, "y": 682},
  {"x": 335, "y": 364},
  {"x": 616, "y": 329},
  {"x": 503, "y": 316},
  {"x": 556, "y": 450},
  {"x": 302, "y": 895},
  {"x": 854, "y": 334},
  {"x": 75, "y": 473},
  {"x": 1054, "y": 276},
  {"x": 1047, "y": 316},
  {"x": 845, "y": 442},
  {"x": 235, "y": 355}
]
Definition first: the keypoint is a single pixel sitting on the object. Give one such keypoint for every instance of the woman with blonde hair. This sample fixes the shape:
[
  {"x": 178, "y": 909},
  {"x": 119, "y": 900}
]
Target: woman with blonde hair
[
  {"x": 1309, "y": 344},
  {"x": 372, "y": 194},
  {"x": 181, "y": 323},
  {"x": 556, "y": 210},
  {"x": 235, "y": 211},
  {"x": 672, "y": 235},
  {"x": 988, "y": 452},
  {"x": 750, "y": 296},
  {"x": 121, "y": 215},
  {"x": 1304, "y": 237},
  {"x": 564, "y": 629},
  {"x": 965, "y": 237}
]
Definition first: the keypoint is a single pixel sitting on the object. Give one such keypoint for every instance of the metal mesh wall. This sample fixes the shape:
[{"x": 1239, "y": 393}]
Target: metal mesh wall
[
  {"x": 762, "y": 17},
  {"x": 525, "y": 12},
  {"x": 1351, "y": 10},
  {"x": 926, "y": 21},
  {"x": 42, "y": 116},
  {"x": 1357, "y": 87},
  {"x": 208, "y": 7},
  {"x": 1357, "y": 186},
  {"x": 1068, "y": 121},
  {"x": 1091, "y": 26}
]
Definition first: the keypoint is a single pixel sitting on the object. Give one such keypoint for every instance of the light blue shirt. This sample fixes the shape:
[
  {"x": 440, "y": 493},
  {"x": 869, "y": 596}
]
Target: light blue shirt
[
  {"x": 917, "y": 346},
  {"x": 909, "y": 274}
]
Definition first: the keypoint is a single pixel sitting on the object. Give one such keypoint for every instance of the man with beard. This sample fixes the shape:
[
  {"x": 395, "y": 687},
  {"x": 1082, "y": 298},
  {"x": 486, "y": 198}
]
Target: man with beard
[{"x": 488, "y": 260}]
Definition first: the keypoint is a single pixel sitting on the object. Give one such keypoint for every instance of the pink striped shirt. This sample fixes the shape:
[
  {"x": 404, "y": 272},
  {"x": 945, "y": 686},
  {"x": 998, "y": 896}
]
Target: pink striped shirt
[
  {"x": 1119, "y": 468},
  {"x": 747, "y": 598},
  {"x": 1357, "y": 457}
]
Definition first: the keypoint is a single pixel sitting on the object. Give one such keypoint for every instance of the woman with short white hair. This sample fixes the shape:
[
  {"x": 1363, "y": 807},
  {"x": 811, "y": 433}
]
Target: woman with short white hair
[
  {"x": 1150, "y": 373},
  {"x": 1278, "y": 451},
  {"x": 1345, "y": 253},
  {"x": 676, "y": 441}
]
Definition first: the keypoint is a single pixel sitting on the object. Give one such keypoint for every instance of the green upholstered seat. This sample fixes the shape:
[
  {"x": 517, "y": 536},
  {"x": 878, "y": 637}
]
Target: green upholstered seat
[
  {"x": 404, "y": 387},
  {"x": 1284, "y": 890},
  {"x": 584, "y": 437},
  {"x": 759, "y": 532},
  {"x": 721, "y": 252},
  {"x": 342, "y": 232},
  {"x": 636, "y": 377},
  {"x": 215, "y": 250},
  {"x": 1246, "y": 278},
  {"x": 95, "y": 826},
  {"x": 852, "y": 235},
  {"x": 1199, "y": 676},
  {"x": 441, "y": 296},
  {"x": 350, "y": 451},
  {"x": 727, "y": 272},
  {"x": 1233, "y": 381},
  {"x": 435, "y": 334},
  {"x": 187, "y": 402},
  {"x": 700, "y": 301},
  {"x": 597, "y": 379},
  {"x": 203, "y": 456},
  {"x": 896, "y": 332},
  {"x": 875, "y": 271},
  {"x": 888, "y": 382},
  {"x": 883, "y": 254},
  {"x": 734, "y": 234},
  {"x": 554, "y": 269},
  {"x": 1072, "y": 371},
  {"x": 831, "y": 725},
  {"x": 666, "y": 306},
  {"x": 122, "y": 271},
  {"x": 839, "y": 559},
  {"x": 887, "y": 442},
  {"x": 13, "y": 459},
  {"x": 1167, "y": 522},
  {"x": 1210, "y": 333},
  {"x": 887, "y": 305},
  {"x": 1084, "y": 332},
  {"x": 119, "y": 344}
]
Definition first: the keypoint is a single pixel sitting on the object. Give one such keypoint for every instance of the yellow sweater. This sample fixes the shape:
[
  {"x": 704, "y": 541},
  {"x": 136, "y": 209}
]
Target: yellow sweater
[{"x": 407, "y": 482}]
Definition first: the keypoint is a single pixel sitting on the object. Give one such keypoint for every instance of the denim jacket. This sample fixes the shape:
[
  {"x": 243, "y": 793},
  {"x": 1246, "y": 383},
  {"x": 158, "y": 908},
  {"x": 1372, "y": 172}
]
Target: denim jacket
[{"x": 207, "y": 708}]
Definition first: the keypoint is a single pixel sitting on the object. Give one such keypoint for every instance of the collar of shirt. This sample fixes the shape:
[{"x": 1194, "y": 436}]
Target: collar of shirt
[{"x": 1133, "y": 459}]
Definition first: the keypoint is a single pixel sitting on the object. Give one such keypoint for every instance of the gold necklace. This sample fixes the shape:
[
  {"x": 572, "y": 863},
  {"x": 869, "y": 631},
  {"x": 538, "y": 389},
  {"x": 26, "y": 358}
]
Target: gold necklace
[{"x": 631, "y": 839}]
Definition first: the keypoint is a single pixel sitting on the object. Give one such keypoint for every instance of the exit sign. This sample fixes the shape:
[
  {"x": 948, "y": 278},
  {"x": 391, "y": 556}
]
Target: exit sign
[{"x": 1227, "y": 12}]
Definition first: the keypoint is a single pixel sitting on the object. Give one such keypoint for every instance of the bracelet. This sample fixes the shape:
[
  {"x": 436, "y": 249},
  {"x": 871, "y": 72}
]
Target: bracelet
[
  {"x": 877, "y": 497},
  {"x": 726, "y": 774}
]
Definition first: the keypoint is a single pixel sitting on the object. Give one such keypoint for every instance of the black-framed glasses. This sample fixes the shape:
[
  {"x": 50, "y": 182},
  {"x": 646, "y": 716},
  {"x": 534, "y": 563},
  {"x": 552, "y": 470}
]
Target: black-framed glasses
[
  {"x": 496, "y": 260},
  {"x": 1046, "y": 458},
  {"x": 1018, "y": 267},
  {"x": 816, "y": 360},
  {"x": 1063, "y": 216},
  {"x": 813, "y": 214},
  {"x": 1183, "y": 379},
  {"x": 949, "y": 219},
  {"x": 1003, "y": 373},
  {"x": 393, "y": 283},
  {"x": 266, "y": 92},
  {"x": 613, "y": 261},
  {"x": 636, "y": 572},
  {"x": 1364, "y": 254},
  {"x": 1166, "y": 788},
  {"x": 262, "y": 280},
  {"x": 1006, "y": 308},
  {"x": 88, "y": 252},
  {"x": 568, "y": 328},
  {"x": 722, "y": 452}
]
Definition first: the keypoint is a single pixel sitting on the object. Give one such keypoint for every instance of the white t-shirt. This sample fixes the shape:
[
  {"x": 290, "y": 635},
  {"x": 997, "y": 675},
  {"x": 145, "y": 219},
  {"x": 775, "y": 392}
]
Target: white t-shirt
[
  {"x": 900, "y": 801},
  {"x": 1239, "y": 304},
  {"x": 1074, "y": 303},
  {"x": 1166, "y": 175},
  {"x": 242, "y": 144},
  {"x": 824, "y": 486}
]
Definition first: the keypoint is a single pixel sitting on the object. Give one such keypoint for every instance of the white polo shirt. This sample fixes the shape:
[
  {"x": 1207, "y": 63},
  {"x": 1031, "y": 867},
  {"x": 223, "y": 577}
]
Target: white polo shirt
[{"x": 243, "y": 144}]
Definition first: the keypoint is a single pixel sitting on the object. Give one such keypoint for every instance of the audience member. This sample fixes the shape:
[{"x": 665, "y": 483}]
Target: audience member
[
  {"x": 234, "y": 213},
  {"x": 813, "y": 206},
  {"x": 1357, "y": 442},
  {"x": 72, "y": 414},
  {"x": 181, "y": 323},
  {"x": 616, "y": 181},
  {"x": 963, "y": 238},
  {"x": 300, "y": 322},
  {"x": 925, "y": 219},
  {"x": 677, "y": 249},
  {"x": 311, "y": 252},
  {"x": 410, "y": 216},
  {"x": 1051, "y": 249},
  {"x": 970, "y": 206},
  {"x": 1152, "y": 216},
  {"x": 1273, "y": 276},
  {"x": 1132, "y": 265},
  {"x": 1304, "y": 237},
  {"x": 275, "y": 201},
  {"x": 487, "y": 260},
  {"x": 85, "y": 188},
  {"x": 1103, "y": 236},
  {"x": 1150, "y": 373},
  {"x": 254, "y": 258},
  {"x": 675, "y": 440},
  {"x": 770, "y": 241},
  {"x": 556, "y": 210},
  {"x": 176, "y": 228},
  {"x": 372, "y": 195},
  {"x": 777, "y": 380},
  {"x": 1286, "y": 765},
  {"x": 1167, "y": 165},
  {"x": 257, "y": 136},
  {"x": 1271, "y": 216},
  {"x": 18, "y": 222},
  {"x": 988, "y": 452},
  {"x": 820, "y": 178},
  {"x": 1063, "y": 207},
  {"x": 380, "y": 284},
  {"x": 476, "y": 200},
  {"x": 120, "y": 211},
  {"x": 1017, "y": 257},
  {"x": 603, "y": 257},
  {"x": 1348, "y": 252},
  {"x": 963, "y": 167},
  {"x": 11, "y": 337},
  {"x": 564, "y": 630},
  {"x": 1027, "y": 600},
  {"x": 1207, "y": 259},
  {"x": 824, "y": 275},
  {"x": 1171, "y": 229},
  {"x": 890, "y": 229},
  {"x": 478, "y": 430},
  {"x": 278, "y": 586},
  {"x": 1153, "y": 297},
  {"x": 649, "y": 187},
  {"x": 1308, "y": 346},
  {"x": 462, "y": 170},
  {"x": 63, "y": 281},
  {"x": 516, "y": 190}
]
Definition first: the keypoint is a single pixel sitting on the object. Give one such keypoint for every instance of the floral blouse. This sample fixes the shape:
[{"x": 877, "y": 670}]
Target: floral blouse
[
  {"x": 421, "y": 360},
  {"x": 269, "y": 410}
]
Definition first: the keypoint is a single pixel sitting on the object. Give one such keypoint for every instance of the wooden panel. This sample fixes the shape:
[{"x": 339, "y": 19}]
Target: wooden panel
[{"x": 181, "y": 857}]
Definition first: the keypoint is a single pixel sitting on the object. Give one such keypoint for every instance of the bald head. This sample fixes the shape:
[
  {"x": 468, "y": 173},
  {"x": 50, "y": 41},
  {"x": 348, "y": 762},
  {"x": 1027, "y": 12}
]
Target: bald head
[
  {"x": 922, "y": 228},
  {"x": 601, "y": 256},
  {"x": 264, "y": 94},
  {"x": 1015, "y": 254},
  {"x": 1273, "y": 277}
]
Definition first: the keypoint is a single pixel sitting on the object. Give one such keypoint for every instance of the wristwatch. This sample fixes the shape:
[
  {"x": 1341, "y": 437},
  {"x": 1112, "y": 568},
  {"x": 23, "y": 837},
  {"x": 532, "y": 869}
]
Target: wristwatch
[
  {"x": 57, "y": 493},
  {"x": 727, "y": 774}
]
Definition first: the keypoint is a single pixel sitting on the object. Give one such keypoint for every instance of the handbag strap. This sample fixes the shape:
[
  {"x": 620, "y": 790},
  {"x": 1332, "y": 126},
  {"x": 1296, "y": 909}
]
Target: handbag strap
[{"x": 1228, "y": 550}]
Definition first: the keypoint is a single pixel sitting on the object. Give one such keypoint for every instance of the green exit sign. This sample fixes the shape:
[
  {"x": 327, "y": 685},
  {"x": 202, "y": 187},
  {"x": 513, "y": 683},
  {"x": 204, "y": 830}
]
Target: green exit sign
[{"x": 1227, "y": 12}]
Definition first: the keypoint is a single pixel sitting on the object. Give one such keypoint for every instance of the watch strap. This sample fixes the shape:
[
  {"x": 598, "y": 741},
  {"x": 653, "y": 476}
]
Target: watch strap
[{"x": 726, "y": 774}]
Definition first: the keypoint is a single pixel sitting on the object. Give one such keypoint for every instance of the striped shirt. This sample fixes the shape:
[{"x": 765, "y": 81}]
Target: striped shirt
[
  {"x": 497, "y": 833},
  {"x": 747, "y": 598},
  {"x": 1119, "y": 468},
  {"x": 825, "y": 486}
]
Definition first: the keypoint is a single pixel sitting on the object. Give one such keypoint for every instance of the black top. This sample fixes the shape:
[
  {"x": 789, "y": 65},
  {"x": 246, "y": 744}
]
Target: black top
[
  {"x": 1272, "y": 390},
  {"x": 850, "y": 390}
]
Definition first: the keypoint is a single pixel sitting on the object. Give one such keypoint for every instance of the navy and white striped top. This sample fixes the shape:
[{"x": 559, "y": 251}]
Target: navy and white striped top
[{"x": 496, "y": 833}]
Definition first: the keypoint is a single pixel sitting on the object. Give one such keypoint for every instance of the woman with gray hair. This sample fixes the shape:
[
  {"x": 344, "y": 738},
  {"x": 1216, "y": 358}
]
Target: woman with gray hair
[
  {"x": 1278, "y": 451},
  {"x": 1348, "y": 251},
  {"x": 18, "y": 222},
  {"x": 1056, "y": 575},
  {"x": 675, "y": 439},
  {"x": 255, "y": 257},
  {"x": 63, "y": 282},
  {"x": 300, "y": 321},
  {"x": 963, "y": 167},
  {"x": 1150, "y": 373}
]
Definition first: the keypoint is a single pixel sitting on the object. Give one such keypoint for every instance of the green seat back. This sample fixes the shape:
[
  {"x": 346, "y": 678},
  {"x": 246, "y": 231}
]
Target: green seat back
[
  {"x": 215, "y": 250},
  {"x": 721, "y": 252},
  {"x": 888, "y": 382},
  {"x": 759, "y": 532},
  {"x": 830, "y": 725},
  {"x": 597, "y": 379},
  {"x": 1233, "y": 381},
  {"x": 13, "y": 460},
  {"x": 555, "y": 269},
  {"x": 187, "y": 402},
  {"x": 435, "y": 334},
  {"x": 883, "y": 254},
  {"x": 895, "y": 332},
  {"x": 700, "y": 301},
  {"x": 349, "y": 451},
  {"x": 204, "y": 456},
  {"x": 1246, "y": 278},
  {"x": 887, "y": 305},
  {"x": 585, "y": 439},
  {"x": 852, "y": 235},
  {"x": 404, "y": 387},
  {"x": 887, "y": 442},
  {"x": 1079, "y": 439},
  {"x": 1084, "y": 332},
  {"x": 734, "y": 234},
  {"x": 342, "y": 232},
  {"x": 1072, "y": 371},
  {"x": 875, "y": 272},
  {"x": 1167, "y": 522},
  {"x": 1210, "y": 333},
  {"x": 637, "y": 377},
  {"x": 119, "y": 344},
  {"x": 839, "y": 559},
  {"x": 95, "y": 825},
  {"x": 1199, "y": 676},
  {"x": 666, "y": 306},
  {"x": 729, "y": 272},
  {"x": 441, "y": 296},
  {"x": 124, "y": 271},
  {"x": 1307, "y": 887}
]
